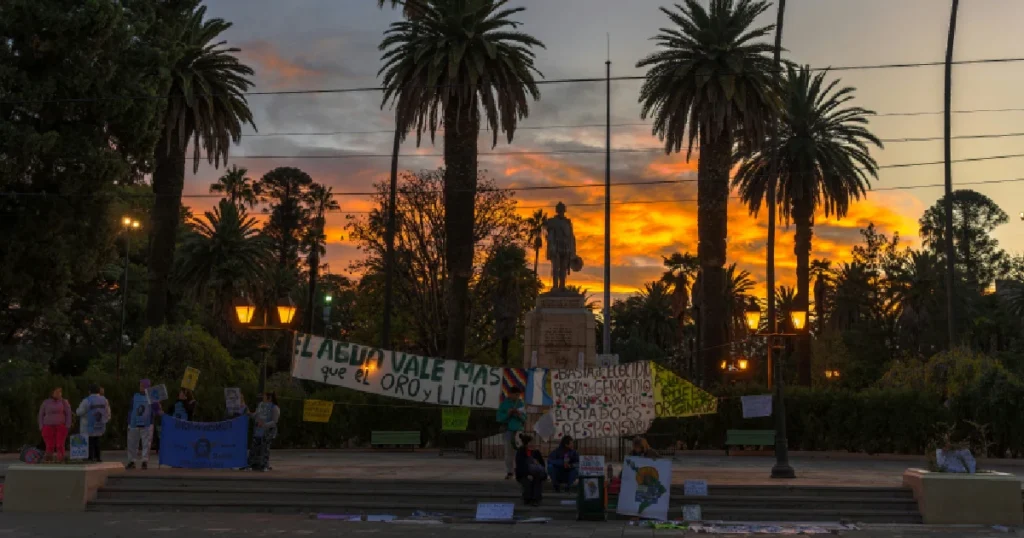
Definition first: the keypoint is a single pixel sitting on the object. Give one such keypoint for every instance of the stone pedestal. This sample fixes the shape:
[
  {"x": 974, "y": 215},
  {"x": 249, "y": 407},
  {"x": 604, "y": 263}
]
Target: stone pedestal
[
  {"x": 55, "y": 488},
  {"x": 986, "y": 498},
  {"x": 558, "y": 330}
]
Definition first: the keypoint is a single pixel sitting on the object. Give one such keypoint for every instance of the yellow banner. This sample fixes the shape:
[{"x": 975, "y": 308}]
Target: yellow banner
[
  {"x": 317, "y": 410},
  {"x": 454, "y": 419},
  {"x": 677, "y": 397},
  {"x": 190, "y": 379}
]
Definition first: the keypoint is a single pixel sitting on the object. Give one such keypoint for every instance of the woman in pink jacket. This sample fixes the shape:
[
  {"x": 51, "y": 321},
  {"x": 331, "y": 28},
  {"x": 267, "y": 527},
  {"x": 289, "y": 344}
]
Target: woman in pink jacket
[{"x": 54, "y": 422}]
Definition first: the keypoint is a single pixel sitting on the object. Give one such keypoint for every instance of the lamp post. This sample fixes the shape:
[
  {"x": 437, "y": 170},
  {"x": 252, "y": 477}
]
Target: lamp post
[
  {"x": 798, "y": 320},
  {"x": 244, "y": 311},
  {"x": 129, "y": 225}
]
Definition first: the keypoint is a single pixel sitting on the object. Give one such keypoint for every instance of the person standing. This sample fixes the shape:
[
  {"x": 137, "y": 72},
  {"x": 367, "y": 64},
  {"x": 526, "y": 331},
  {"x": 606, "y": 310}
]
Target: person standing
[
  {"x": 512, "y": 416},
  {"x": 95, "y": 413},
  {"x": 563, "y": 464},
  {"x": 185, "y": 407},
  {"x": 530, "y": 472},
  {"x": 267, "y": 414},
  {"x": 54, "y": 423},
  {"x": 140, "y": 426}
]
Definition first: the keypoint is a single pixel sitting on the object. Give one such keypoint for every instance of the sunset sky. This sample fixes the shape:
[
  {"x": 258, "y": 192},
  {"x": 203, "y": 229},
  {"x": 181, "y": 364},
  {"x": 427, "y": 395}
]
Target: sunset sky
[{"x": 319, "y": 44}]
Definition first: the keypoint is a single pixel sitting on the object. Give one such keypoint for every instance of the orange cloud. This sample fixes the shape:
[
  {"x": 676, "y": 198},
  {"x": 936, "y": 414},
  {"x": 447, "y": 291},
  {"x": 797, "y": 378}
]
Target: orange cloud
[{"x": 273, "y": 67}]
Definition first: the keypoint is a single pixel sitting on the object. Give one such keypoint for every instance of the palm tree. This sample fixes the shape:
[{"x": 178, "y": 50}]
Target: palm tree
[
  {"x": 657, "y": 324},
  {"x": 711, "y": 81},
  {"x": 738, "y": 287},
  {"x": 441, "y": 68},
  {"x": 410, "y": 8},
  {"x": 319, "y": 199},
  {"x": 238, "y": 186},
  {"x": 821, "y": 272},
  {"x": 535, "y": 234},
  {"x": 823, "y": 160},
  {"x": 223, "y": 256},
  {"x": 206, "y": 107},
  {"x": 680, "y": 272}
]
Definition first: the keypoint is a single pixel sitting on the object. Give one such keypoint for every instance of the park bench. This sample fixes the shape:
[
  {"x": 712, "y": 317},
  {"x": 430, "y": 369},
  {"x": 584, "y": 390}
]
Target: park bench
[
  {"x": 748, "y": 438},
  {"x": 395, "y": 439}
]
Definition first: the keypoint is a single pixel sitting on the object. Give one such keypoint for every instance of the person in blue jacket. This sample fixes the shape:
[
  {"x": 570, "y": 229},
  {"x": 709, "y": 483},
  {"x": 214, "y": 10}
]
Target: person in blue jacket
[
  {"x": 185, "y": 407},
  {"x": 140, "y": 426},
  {"x": 512, "y": 416},
  {"x": 563, "y": 464},
  {"x": 95, "y": 413}
]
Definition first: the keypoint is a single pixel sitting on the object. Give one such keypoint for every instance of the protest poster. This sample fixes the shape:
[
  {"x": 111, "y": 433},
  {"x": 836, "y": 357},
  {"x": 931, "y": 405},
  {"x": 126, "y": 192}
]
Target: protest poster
[
  {"x": 190, "y": 378},
  {"x": 645, "y": 488},
  {"x": 233, "y": 402},
  {"x": 603, "y": 402},
  {"x": 454, "y": 419},
  {"x": 757, "y": 406},
  {"x": 204, "y": 445},
  {"x": 396, "y": 374},
  {"x": 317, "y": 411},
  {"x": 545, "y": 426},
  {"x": 495, "y": 511},
  {"x": 158, "y": 393},
  {"x": 591, "y": 465},
  {"x": 695, "y": 488},
  {"x": 79, "y": 447},
  {"x": 677, "y": 397}
]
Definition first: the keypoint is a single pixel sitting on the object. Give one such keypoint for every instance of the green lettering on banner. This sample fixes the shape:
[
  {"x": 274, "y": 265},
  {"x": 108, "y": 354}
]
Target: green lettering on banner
[
  {"x": 305, "y": 346},
  {"x": 397, "y": 361},
  {"x": 454, "y": 419},
  {"x": 412, "y": 365},
  {"x": 463, "y": 367},
  {"x": 328, "y": 346},
  {"x": 481, "y": 376},
  {"x": 437, "y": 374},
  {"x": 341, "y": 352}
]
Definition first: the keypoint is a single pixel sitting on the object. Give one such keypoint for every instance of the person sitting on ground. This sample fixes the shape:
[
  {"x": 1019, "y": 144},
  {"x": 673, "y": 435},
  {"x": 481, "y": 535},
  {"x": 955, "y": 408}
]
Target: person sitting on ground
[
  {"x": 563, "y": 464},
  {"x": 530, "y": 472}
]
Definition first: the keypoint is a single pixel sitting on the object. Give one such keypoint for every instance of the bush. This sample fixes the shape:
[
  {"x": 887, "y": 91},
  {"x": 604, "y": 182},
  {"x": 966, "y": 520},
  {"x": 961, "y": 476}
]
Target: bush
[{"x": 164, "y": 352}]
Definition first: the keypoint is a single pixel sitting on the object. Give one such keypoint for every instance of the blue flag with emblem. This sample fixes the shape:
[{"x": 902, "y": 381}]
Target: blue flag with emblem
[{"x": 204, "y": 445}]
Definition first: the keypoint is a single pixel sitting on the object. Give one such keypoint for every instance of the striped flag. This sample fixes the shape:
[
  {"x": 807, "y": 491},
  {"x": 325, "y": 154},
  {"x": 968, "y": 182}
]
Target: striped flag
[
  {"x": 513, "y": 377},
  {"x": 538, "y": 387}
]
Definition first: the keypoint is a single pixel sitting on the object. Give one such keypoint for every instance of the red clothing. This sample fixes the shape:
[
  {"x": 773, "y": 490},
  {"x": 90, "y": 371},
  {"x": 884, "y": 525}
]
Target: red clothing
[
  {"x": 54, "y": 437},
  {"x": 55, "y": 412}
]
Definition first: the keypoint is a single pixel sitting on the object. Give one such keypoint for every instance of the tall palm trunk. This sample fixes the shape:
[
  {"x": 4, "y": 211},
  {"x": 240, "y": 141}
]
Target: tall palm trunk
[
  {"x": 712, "y": 226},
  {"x": 803, "y": 215},
  {"x": 168, "y": 182},
  {"x": 314, "y": 269},
  {"x": 536, "y": 260},
  {"x": 460, "y": 157}
]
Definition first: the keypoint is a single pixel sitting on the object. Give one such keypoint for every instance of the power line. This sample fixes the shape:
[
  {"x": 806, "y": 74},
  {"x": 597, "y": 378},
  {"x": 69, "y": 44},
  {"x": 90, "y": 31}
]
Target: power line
[{"x": 365, "y": 89}]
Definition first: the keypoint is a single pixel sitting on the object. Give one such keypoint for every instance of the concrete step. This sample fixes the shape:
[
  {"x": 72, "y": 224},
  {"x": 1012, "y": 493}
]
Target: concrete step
[
  {"x": 807, "y": 516},
  {"x": 806, "y": 491}
]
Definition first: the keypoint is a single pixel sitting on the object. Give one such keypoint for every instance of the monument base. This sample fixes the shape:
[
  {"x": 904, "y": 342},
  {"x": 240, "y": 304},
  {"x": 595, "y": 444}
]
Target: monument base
[
  {"x": 560, "y": 333},
  {"x": 55, "y": 488}
]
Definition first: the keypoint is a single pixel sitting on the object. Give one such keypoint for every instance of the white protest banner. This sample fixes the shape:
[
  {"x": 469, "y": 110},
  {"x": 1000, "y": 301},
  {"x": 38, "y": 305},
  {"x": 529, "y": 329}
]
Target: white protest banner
[
  {"x": 396, "y": 374},
  {"x": 757, "y": 406},
  {"x": 645, "y": 488},
  {"x": 591, "y": 465},
  {"x": 603, "y": 402}
]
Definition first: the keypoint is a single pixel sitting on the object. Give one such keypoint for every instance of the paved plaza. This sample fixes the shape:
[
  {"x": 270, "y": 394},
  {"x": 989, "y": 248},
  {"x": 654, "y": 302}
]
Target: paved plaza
[
  {"x": 89, "y": 525},
  {"x": 813, "y": 468}
]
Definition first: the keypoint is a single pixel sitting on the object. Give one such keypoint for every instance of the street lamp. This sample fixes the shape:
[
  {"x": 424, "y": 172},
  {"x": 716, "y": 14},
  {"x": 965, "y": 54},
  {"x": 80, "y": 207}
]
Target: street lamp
[
  {"x": 244, "y": 310},
  {"x": 129, "y": 225},
  {"x": 798, "y": 319}
]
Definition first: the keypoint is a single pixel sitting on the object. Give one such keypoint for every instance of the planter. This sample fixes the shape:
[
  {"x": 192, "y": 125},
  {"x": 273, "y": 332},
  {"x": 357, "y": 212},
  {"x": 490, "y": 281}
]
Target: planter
[{"x": 986, "y": 498}]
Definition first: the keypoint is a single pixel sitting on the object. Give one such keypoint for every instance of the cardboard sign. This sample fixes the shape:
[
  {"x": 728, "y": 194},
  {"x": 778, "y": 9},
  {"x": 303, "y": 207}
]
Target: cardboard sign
[
  {"x": 757, "y": 406},
  {"x": 317, "y": 411},
  {"x": 79, "y": 447},
  {"x": 691, "y": 512},
  {"x": 645, "y": 488},
  {"x": 592, "y": 466},
  {"x": 591, "y": 489},
  {"x": 695, "y": 488},
  {"x": 495, "y": 511},
  {"x": 158, "y": 393},
  {"x": 233, "y": 401},
  {"x": 603, "y": 402},
  {"x": 454, "y": 419},
  {"x": 190, "y": 379},
  {"x": 677, "y": 397}
]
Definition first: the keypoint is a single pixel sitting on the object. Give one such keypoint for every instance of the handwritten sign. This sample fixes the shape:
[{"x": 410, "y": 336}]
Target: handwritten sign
[
  {"x": 495, "y": 511},
  {"x": 757, "y": 406},
  {"x": 695, "y": 488},
  {"x": 603, "y": 402},
  {"x": 454, "y": 419},
  {"x": 190, "y": 379},
  {"x": 677, "y": 397},
  {"x": 591, "y": 465},
  {"x": 396, "y": 374},
  {"x": 158, "y": 393},
  {"x": 691, "y": 512},
  {"x": 317, "y": 411},
  {"x": 79, "y": 447}
]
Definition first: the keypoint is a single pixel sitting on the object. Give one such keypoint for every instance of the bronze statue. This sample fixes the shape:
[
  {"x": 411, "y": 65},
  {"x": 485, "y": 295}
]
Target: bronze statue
[{"x": 561, "y": 250}]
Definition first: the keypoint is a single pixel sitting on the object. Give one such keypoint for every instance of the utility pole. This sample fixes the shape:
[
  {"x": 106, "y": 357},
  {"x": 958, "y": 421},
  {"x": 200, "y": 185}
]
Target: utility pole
[
  {"x": 606, "y": 341},
  {"x": 948, "y": 199},
  {"x": 389, "y": 238}
]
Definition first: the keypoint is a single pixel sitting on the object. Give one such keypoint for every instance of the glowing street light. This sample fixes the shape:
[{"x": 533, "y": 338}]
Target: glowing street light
[
  {"x": 244, "y": 311},
  {"x": 130, "y": 225}
]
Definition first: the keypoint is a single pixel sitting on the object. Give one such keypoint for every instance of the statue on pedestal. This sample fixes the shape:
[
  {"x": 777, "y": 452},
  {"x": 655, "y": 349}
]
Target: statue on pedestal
[{"x": 561, "y": 250}]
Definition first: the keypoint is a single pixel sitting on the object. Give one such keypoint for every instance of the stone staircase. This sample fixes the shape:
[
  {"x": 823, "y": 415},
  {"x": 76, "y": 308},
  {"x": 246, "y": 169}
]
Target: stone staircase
[{"x": 251, "y": 492}]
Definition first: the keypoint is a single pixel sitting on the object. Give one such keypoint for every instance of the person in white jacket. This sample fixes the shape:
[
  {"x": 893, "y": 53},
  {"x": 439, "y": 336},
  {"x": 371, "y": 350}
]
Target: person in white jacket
[{"x": 95, "y": 413}]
